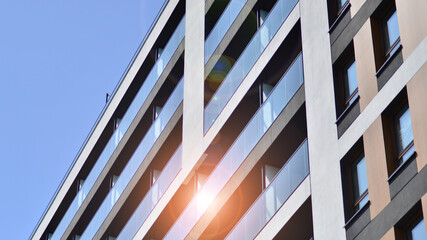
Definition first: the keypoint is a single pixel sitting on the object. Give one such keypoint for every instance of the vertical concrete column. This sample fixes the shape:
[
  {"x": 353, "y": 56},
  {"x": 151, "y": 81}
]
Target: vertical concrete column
[
  {"x": 192, "y": 138},
  {"x": 410, "y": 15},
  {"x": 365, "y": 65},
  {"x": 327, "y": 201},
  {"x": 376, "y": 167}
]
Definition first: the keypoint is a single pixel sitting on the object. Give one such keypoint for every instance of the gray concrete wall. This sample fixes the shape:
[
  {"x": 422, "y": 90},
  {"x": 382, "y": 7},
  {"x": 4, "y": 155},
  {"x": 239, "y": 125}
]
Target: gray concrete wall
[{"x": 327, "y": 204}]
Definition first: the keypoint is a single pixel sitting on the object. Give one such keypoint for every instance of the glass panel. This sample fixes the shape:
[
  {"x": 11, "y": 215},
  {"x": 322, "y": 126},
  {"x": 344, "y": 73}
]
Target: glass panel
[
  {"x": 360, "y": 182},
  {"x": 350, "y": 79},
  {"x": 362, "y": 179},
  {"x": 392, "y": 30},
  {"x": 150, "y": 200},
  {"x": 419, "y": 231},
  {"x": 221, "y": 27},
  {"x": 269, "y": 202},
  {"x": 266, "y": 89},
  {"x": 246, "y": 60},
  {"x": 403, "y": 126},
  {"x": 240, "y": 149},
  {"x": 262, "y": 15},
  {"x": 154, "y": 175},
  {"x": 125, "y": 122},
  {"x": 135, "y": 161},
  {"x": 269, "y": 174}
]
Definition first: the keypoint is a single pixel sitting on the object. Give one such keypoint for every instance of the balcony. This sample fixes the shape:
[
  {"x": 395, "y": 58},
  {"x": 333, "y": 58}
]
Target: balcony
[
  {"x": 150, "y": 200},
  {"x": 127, "y": 119},
  {"x": 282, "y": 93},
  {"x": 221, "y": 27},
  {"x": 268, "y": 203},
  {"x": 137, "y": 158},
  {"x": 247, "y": 59}
]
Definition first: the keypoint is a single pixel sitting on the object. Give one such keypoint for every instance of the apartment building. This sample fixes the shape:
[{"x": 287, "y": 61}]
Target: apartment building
[{"x": 244, "y": 119}]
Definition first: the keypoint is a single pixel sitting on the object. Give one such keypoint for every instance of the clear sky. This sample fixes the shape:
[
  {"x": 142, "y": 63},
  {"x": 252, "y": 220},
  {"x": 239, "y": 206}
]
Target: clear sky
[{"x": 58, "y": 59}]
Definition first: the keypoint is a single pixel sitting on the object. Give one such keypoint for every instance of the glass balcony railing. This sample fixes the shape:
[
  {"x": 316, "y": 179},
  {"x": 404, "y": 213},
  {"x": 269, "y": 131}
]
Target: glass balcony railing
[
  {"x": 281, "y": 188},
  {"x": 150, "y": 200},
  {"x": 282, "y": 93},
  {"x": 130, "y": 114},
  {"x": 247, "y": 59},
  {"x": 221, "y": 27},
  {"x": 135, "y": 161}
]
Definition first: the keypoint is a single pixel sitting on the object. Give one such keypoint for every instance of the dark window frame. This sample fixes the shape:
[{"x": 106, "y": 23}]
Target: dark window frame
[
  {"x": 390, "y": 135},
  {"x": 400, "y": 153},
  {"x": 341, "y": 66},
  {"x": 383, "y": 49},
  {"x": 357, "y": 157},
  {"x": 348, "y": 163},
  {"x": 345, "y": 82},
  {"x": 389, "y": 47},
  {"x": 416, "y": 219}
]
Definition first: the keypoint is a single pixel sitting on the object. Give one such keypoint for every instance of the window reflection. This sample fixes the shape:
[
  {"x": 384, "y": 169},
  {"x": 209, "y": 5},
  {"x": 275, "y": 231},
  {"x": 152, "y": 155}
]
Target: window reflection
[
  {"x": 404, "y": 135},
  {"x": 350, "y": 82},
  {"x": 417, "y": 230},
  {"x": 360, "y": 183},
  {"x": 391, "y": 33}
]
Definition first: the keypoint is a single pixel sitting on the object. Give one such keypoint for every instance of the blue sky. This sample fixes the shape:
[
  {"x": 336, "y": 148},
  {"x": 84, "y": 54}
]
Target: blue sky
[{"x": 58, "y": 59}]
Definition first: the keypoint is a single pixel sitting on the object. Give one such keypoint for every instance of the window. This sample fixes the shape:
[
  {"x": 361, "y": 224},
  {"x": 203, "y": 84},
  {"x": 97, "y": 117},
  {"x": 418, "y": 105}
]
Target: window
[
  {"x": 117, "y": 122},
  {"x": 416, "y": 230},
  {"x": 340, "y": 5},
  {"x": 156, "y": 112},
  {"x": 113, "y": 180},
  {"x": 268, "y": 173},
  {"x": 80, "y": 183},
  {"x": 403, "y": 134},
  {"x": 391, "y": 33},
  {"x": 49, "y": 236},
  {"x": 118, "y": 134},
  {"x": 264, "y": 90},
  {"x": 360, "y": 183},
  {"x": 385, "y": 33},
  {"x": 354, "y": 181},
  {"x": 350, "y": 82},
  {"x": 154, "y": 176},
  {"x": 261, "y": 16},
  {"x": 158, "y": 53},
  {"x": 81, "y": 195},
  {"x": 346, "y": 85}
]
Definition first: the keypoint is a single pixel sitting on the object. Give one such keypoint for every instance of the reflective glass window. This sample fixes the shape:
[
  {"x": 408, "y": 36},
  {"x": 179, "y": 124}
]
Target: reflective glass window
[
  {"x": 417, "y": 231},
  {"x": 360, "y": 183},
  {"x": 403, "y": 131},
  {"x": 350, "y": 82}
]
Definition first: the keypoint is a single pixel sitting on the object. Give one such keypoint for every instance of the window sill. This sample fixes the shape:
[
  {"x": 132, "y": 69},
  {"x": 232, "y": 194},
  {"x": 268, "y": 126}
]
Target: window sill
[
  {"x": 342, "y": 12},
  {"x": 347, "y": 109},
  {"x": 401, "y": 167},
  {"x": 387, "y": 62},
  {"x": 357, "y": 214}
]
